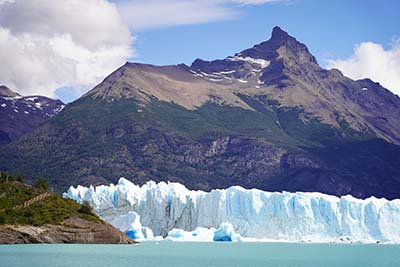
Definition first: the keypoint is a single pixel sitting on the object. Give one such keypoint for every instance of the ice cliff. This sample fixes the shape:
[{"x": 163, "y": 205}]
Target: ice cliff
[{"x": 237, "y": 211}]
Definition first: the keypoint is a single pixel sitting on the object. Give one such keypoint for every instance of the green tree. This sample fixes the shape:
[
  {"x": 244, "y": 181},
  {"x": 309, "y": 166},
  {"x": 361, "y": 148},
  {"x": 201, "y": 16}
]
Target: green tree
[
  {"x": 42, "y": 184},
  {"x": 20, "y": 178},
  {"x": 86, "y": 208},
  {"x": 9, "y": 178},
  {"x": 2, "y": 218}
]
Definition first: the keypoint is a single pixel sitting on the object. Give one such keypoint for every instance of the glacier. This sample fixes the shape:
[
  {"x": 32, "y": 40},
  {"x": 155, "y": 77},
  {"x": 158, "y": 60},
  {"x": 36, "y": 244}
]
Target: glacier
[{"x": 174, "y": 212}]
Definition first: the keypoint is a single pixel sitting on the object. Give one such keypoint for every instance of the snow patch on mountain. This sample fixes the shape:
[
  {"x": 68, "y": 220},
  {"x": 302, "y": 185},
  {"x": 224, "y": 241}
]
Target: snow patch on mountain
[{"x": 262, "y": 62}]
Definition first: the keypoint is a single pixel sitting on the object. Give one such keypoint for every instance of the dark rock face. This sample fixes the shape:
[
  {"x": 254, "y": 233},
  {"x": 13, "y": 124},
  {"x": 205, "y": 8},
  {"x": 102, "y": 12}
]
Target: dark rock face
[
  {"x": 293, "y": 51},
  {"x": 273, "y": 119},
  {"x": 72, "y": 230},
  {"x": 296, "y": 51},
  {"x": 20, "y": 115}
]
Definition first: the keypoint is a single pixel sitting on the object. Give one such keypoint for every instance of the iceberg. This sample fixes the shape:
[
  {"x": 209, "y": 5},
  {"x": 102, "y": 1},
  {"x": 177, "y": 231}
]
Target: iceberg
[
  {"x": 130, "y": 224},
  {"x": 250, "y": 213},
  {"x": 200, "y": 234},
  {"x": 226, "y": 233}
]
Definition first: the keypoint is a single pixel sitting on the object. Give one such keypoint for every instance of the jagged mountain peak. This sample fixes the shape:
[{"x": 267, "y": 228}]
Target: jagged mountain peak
[
  {"x": 278, "y": 33},
  {"x": 281, "y": 50},
  {"x": 281, "y": 45}
]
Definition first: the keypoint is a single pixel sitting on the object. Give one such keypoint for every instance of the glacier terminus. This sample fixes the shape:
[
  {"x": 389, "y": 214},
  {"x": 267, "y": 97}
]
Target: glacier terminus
[{"x": 171, "y": 211}]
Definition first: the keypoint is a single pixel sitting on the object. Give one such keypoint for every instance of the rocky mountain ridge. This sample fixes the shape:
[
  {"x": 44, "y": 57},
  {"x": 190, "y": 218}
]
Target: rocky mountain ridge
[
  {"x": 280, "y": 69},
  {"x": 268, "y": 117},
  {"x": 21, "y": 114},
  {"x": 290, "y": 74}
]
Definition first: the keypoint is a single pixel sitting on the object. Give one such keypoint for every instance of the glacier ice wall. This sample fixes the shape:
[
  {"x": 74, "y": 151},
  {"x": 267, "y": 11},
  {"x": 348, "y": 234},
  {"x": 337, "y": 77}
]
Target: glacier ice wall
[{"x": 253, "y": 213}]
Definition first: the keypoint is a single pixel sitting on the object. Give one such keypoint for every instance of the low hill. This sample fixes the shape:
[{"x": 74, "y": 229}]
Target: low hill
[{"x": 33, "y": 215}]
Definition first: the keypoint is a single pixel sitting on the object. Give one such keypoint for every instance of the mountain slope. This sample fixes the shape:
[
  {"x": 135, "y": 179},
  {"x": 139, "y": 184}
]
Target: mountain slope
[
  {"x": 268, "y": 117},
  {"x": 21, "y": 114},
  {"x": 27, "y": 218},
  {"x": 294, "y": 79}
]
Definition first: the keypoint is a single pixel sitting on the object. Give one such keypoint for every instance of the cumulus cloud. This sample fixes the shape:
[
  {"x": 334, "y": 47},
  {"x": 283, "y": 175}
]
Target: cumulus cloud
[
  {"x": 371, "y": 60},
  {"x": 48, "y": 45},
  {"x": 45, "y": 45},
  {"x": 143, "y": 15}
]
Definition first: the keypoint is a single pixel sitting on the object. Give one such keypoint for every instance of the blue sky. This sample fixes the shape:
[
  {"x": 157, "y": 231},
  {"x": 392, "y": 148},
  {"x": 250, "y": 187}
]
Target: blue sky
[
  {"x": 330, "y": 29},
  {"x": 64, "y": 48}
]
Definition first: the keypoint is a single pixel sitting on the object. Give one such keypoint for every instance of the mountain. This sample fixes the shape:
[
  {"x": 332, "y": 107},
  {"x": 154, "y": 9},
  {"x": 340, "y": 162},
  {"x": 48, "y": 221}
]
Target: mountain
[
  {"x": 21, "y": 114},
  {"x": 268, "y": 117}
]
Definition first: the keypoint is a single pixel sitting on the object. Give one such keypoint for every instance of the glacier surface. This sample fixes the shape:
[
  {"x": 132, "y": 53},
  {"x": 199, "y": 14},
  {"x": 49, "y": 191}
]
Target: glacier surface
[{"x": 171, "y": 210}]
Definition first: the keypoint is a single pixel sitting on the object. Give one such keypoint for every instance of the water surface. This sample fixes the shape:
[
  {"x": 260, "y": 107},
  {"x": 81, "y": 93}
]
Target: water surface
[{"x": 177, "y": 254}]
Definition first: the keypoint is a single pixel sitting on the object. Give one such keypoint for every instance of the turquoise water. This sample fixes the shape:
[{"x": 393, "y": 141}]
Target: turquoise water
[{"x": 176, "y": 254}]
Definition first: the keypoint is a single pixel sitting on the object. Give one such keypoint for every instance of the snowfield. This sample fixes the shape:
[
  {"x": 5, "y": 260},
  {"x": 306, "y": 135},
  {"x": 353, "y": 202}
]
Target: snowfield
[{"x": 170, "y": 210}]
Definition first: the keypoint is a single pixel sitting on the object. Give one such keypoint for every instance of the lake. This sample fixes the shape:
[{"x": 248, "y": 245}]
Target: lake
[{"x": 177, "y": 254}]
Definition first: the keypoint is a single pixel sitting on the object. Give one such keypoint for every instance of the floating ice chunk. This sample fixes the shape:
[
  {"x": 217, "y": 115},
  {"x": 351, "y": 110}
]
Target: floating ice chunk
[
  {"x": 179, "y": 235},
  {"x": 365, "y": 89},
  {"x": 3, "y": 105},
  {"x": 226, "y": 233},
  {"x": 200, "y": 234},
  {"x": 242, "y": 81},
  {"x": 131, "y": 226}
]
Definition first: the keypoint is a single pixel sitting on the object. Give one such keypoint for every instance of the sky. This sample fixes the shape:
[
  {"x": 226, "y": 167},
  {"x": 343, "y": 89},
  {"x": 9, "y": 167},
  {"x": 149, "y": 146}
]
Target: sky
[{"x": 64, "y": 48}]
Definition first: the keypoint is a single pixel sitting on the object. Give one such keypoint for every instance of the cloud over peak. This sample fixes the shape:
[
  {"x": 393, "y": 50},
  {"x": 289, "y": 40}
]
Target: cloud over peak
[{"x": 371, "y": 60}]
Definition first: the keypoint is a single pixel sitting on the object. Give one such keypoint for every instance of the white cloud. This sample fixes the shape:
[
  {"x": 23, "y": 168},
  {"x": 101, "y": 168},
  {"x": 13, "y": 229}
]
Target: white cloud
[
  {"x": 45, "y": 45},
  {"x": 141, "y": 14},
  {"x": 249, "y": 2},
  {"x": 371, "y": 60}
]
